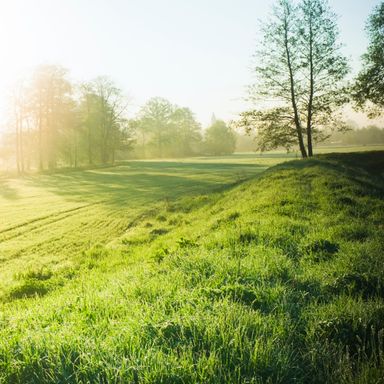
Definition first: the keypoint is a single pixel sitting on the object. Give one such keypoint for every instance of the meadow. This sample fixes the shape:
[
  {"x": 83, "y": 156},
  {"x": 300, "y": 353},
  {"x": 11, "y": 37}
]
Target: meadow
[{"x": 239, "y": 269}]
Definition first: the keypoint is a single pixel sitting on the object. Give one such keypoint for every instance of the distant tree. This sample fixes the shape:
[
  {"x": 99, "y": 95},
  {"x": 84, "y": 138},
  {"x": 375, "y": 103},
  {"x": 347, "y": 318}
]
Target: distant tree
[
  {"x": 50, "y": 103},
  {"x": 244, "y": 143},
  {"x": 18, "y": 120},
  {"x": 219, "y": 139},
  {"x": 53, "y": 125},
  {"x": 88, "y": 119},
  {"x": 127, "y": 137},
  {"x": 300, "y": 70},
  {"x": 70, "y": 144},
  {"x": 370, "y": 135},
  {"x": 111, "y": 108},
  {"x": 156, "y": 121},
  {"x": 186, "y": 132},
  {"x": 102, "y": 109},
  {"x": 164, "y": 129},
  {"x": 368, "y": 91},
  {"x": 141, "y": 137}
]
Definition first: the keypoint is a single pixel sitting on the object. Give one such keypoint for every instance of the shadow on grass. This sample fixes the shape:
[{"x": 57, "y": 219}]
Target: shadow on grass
[
  {"x": 363, "y": 168},
  {"x": 139, "y": 182},
  {"x": 6, "y": 191}
]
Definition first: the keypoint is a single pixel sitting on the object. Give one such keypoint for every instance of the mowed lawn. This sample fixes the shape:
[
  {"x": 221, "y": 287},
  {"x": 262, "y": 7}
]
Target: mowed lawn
[{"x": 48, "y": 220}]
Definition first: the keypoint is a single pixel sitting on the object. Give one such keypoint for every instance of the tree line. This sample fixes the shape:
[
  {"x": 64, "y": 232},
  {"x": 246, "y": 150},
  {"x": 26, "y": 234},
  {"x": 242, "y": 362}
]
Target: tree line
[
  {"x": 370, "y": 135},
  {"x": 55, "y": 123},
  {"x": 300, "y": 90},
  {"x": 166, "y": 130},
  {"x": 301, "y": 77}
]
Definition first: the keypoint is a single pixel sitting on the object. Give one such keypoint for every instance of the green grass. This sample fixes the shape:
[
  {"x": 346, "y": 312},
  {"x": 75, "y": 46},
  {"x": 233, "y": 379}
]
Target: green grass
[
  {"x": 48, "y": 220},
  {"x": 187, "y": 272}
]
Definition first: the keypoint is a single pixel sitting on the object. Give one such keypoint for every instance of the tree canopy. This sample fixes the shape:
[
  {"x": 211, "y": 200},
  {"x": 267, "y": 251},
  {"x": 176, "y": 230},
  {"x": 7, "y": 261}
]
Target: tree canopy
[
  {"x": 369, "y": 87},
  {"x": 166, "y": 130},
  {"x": 219, "y": 139},
  {"x": 300, "y": 71},
  {"x": 56, "y": 123}
]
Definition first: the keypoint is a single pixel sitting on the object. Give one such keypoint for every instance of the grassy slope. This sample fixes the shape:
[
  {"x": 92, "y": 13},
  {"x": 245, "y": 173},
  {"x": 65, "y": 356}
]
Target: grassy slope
[
  {"x": 48, "y": 220},
  {"x": 279, "y": 279}
]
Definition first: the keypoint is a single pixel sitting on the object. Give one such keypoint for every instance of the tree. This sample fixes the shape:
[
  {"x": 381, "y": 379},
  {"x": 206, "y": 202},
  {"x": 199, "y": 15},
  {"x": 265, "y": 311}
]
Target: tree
[
  {"x": 42, "y": 114},
  {"x": 102, "y": 108},
  {"x": 88, "y": 118},
  {"x": 111, "y": 108},
  {"x": 299, "y": 71},
  {"x": 186, "y": 132},
  {"x": 156, "y": 121},
  {"x": 50, "y": 102},
  {"x": 368, "y": 91},
  {"x": 165, "y": 129},
  {"x": 52, "y": 126},
  {"x": 18, "y": 121},
  {"x": 219, "y": 139}
]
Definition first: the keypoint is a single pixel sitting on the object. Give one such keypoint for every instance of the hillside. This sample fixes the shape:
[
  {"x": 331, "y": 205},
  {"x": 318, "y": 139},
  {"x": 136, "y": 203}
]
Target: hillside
[{"x": 277, "y": 279}]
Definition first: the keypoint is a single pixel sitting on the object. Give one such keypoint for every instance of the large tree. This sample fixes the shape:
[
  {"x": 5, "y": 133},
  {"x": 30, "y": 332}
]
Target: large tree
[
  {"x": 369, "y": 86},
  {"x": 300, "y": 72}
]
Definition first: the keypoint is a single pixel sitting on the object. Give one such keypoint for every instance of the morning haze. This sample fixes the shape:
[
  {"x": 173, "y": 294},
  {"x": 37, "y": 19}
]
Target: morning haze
[
  {"x": 196, "y": 54},
  {"x": 191, "y": 191}
]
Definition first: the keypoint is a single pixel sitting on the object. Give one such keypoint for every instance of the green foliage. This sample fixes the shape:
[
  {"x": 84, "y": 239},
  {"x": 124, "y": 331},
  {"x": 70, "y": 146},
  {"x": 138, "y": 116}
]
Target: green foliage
[
  {"x": 166, "y": 130},
  {"x": 160, "y": 254},
  {"x": 299, "y": 66},
  {"x": 56, "y": 124},
  {"x": 369, "y": 86},
  {"x": 219, "y": 139},
  {"x": 186, "y": 243},
  {"x": 371, "y": 134},
  {"x": 273, "y": 128}
]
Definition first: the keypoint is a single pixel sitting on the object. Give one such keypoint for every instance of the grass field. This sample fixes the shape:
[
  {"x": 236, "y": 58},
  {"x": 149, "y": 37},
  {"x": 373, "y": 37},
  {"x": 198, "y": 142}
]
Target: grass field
[
  {"x": 197, "y": 271},
  {"x": 48, "y": 220}
]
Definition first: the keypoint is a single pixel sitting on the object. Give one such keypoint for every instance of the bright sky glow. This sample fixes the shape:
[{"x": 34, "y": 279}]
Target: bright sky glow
[{"x": 194, "y": 53}]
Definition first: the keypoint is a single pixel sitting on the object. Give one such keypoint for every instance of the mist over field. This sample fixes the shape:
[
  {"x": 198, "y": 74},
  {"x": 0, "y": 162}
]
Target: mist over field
[{"x": 192, "y": 192}]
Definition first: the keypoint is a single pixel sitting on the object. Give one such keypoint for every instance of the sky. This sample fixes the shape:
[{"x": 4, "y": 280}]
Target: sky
[{"x": 195, "y": 53}]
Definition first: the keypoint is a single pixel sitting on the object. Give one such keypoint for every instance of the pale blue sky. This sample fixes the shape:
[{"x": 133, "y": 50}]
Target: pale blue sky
[{"x": 196, "y": 53}]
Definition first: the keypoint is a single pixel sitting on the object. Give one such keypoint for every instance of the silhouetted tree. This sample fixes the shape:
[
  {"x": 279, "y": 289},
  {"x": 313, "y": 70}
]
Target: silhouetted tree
[{"x": 300, "y": 69}]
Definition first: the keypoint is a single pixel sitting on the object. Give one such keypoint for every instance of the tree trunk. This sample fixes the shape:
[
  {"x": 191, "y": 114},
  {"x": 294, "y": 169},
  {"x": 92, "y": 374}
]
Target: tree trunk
[
  {"x": 21, "y": 149},
  {"x": 90, "y": 159},
  {"x": 40, "y": 145},
  {"x": 293, "y": 96},
  {"x": 311, "y": 93},
  {"x": 17, "y": 142},
  {"x": 75, "y": 146}
]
